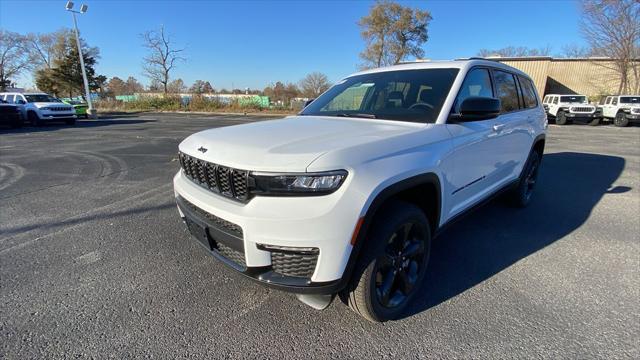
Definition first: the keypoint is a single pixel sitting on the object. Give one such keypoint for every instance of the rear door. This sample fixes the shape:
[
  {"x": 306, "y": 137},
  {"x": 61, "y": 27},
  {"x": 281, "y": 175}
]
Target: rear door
[{"x": 511, "y": 129}]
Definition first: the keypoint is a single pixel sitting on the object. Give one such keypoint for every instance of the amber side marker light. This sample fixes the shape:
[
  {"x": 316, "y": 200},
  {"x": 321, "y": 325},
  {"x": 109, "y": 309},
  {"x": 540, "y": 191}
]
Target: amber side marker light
[{"x": 356, "y": 231}]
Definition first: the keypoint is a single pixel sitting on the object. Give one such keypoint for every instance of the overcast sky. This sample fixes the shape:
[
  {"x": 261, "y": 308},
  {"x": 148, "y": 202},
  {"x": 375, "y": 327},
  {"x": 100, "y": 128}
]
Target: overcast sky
[{"x": 251, "y": 44}]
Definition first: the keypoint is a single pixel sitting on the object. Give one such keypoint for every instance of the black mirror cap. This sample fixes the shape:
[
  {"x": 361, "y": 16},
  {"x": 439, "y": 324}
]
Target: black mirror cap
[{"x": 479, "y": 108}]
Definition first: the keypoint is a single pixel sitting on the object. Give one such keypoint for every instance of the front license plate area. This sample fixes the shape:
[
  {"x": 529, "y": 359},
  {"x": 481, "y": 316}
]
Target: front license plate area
[{"x": 198, "y": 232}]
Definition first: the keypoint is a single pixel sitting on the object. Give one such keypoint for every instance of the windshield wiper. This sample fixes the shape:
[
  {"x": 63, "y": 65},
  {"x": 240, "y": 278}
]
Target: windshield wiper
[{"x": 356, "y": 115}]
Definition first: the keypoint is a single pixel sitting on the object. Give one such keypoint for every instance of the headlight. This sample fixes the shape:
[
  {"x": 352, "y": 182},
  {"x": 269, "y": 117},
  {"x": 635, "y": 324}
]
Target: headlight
[
  {"x": 45, "y": 108},
  {"x": 298, "y": 184}
]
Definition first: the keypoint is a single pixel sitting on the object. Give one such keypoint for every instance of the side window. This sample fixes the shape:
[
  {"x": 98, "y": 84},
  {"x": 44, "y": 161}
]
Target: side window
[
  {"x": 614, "y": 101},
  {"x": 608, "y": 101},
  {"x": 10, "y": 99},
  {"x": 546, "y": 99},
  {"x": 555, "y": 99},
  {"x": 477, "y": 83},
  {"x": 506, "y": 90},
  {"x": 528, "y": 93}
]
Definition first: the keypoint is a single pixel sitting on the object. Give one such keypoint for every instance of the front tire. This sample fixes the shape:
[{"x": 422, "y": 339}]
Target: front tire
[
  {"x": 392, "y": 265},
  {"x": 70, "y": 121},
  {"x": 522, "y": 194},
  {"x": 561, "y": 118},
  {"x": 620, "y": 120},
  {"x": 34, "y": 119},
  {"x": 594, "y": 122}
]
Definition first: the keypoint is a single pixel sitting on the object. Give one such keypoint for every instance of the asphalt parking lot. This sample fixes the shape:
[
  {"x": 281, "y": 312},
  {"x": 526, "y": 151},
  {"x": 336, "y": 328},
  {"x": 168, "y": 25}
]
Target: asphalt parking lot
[{"x": 95, "y": 262}]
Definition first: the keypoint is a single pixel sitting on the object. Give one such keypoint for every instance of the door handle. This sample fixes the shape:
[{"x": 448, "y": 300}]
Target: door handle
[{"x": 498, "y": 127}]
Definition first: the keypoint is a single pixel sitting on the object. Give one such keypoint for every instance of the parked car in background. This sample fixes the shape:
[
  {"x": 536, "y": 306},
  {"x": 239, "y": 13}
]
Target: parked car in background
[
  {"x": 38, "y": 108},
  {"x": 10, "y": 114},
  {"x": 79, "y": 106},
  {"x": 346, "y": 197},
  {"x": 620, "y": 109},
  {"x": 569, "y": 108}
]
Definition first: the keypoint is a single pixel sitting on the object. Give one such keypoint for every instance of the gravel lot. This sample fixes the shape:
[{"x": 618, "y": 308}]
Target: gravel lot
[{"x": 95, "y": 262}]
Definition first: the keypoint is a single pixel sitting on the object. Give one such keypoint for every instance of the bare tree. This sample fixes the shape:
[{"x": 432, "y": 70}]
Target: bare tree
[
  {"x": 392, "y": 33},
  {"x": 162, "y": 57},
  {"x": 314, "y": 84},
  {"x": 612, "y": 29},
  {"x": 574, "y": 51},
  {"x": 176, "y": 86},
  {"x": 45, "y": 49},
  {"x": 515, "y": 51},
  {"x": 14, "y": 57}
]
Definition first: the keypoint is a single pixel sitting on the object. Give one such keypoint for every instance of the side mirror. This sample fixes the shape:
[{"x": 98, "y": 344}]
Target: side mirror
[
  {"x": 306, "y": 103},
  {"x": 478, "y": 108},
  {"x": 20, "y": 102}
]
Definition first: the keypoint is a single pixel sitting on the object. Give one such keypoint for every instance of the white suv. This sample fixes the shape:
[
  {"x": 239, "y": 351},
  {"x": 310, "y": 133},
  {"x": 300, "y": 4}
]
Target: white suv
[
  {"x": 38, "y": 108},
  {"x": 621, "y": 109},
  {"x": 346, "y": 197},
  {"x": 565, "y": 108}
]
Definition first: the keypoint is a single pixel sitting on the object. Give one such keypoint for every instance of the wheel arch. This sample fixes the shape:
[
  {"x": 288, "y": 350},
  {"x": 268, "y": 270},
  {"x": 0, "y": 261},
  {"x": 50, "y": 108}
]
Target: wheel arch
[{"x": 408, "y": 190}]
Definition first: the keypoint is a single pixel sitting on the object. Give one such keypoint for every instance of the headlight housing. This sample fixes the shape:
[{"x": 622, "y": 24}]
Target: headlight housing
[
  {"x": 296, "y": 184},
  {"x": 45, "y": 108}
]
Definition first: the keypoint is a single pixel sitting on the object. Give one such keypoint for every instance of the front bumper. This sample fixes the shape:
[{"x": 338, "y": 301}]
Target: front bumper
[
  {"x": 633, "y": 116},
  {"x": 57, "y": 116},
  {"x": 322, "y": 223},
  {"x": 583, "y": 115}
]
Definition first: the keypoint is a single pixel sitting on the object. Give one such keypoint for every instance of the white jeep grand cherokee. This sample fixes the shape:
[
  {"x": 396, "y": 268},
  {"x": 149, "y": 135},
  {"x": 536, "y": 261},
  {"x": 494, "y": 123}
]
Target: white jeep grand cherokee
[
  {"x": 38, "y": 108},
  {"x": 347, "y": 196}
]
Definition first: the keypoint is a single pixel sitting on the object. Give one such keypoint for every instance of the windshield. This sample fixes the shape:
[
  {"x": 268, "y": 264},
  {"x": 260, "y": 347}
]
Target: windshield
[
  {"x": 573, "y": 99},
  {"x": 630, "y": 99},
  {"x": 41, "y": 98},
  {"x": 405, "y": 95}
]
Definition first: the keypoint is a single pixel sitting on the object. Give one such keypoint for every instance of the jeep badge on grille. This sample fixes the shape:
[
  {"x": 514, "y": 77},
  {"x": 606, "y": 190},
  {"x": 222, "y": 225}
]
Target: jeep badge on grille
[{"x": 202, "y": 149}]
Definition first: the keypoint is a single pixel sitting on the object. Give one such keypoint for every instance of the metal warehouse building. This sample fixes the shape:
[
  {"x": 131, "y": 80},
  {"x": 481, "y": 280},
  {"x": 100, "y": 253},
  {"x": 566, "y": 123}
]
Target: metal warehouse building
[{"x": 593, "y": 77}]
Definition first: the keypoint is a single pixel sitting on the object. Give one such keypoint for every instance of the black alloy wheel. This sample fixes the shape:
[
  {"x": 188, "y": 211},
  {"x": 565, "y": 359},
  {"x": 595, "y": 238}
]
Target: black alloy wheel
[{"x": 398, "y": 269}]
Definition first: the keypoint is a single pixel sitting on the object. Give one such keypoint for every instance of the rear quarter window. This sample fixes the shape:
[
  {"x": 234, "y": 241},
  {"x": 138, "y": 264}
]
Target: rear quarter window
[{"x": 528, "y": 93}]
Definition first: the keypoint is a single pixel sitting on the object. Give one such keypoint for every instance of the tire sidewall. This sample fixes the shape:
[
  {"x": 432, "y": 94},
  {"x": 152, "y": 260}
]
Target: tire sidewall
[
  {"x": 561, "y": 119},
  {"x": 385, "y": 226},
  {"x": 522, "y": 199},
  {"x": 620, "y": 120}
]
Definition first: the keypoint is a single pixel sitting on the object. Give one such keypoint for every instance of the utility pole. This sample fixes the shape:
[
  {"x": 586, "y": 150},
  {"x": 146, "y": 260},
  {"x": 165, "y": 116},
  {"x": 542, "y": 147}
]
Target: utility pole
[{"x": 69, "y": 7}]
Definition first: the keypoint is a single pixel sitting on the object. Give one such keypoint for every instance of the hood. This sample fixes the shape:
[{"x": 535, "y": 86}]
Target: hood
[
  {"x": 40, "y": 105},
  {"x": 289, "y": 144}
]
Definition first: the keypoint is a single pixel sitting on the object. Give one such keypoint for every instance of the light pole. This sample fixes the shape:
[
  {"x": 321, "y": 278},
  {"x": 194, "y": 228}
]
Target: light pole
[{"x": 83, "y": 9}]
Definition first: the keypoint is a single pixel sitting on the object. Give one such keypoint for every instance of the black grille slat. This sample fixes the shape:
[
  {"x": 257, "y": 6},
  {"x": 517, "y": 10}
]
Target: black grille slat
[
  {"x": 294, "y": 264},
  {"x": 223, "y": 178},
  {"x": 229, "y": 182}
]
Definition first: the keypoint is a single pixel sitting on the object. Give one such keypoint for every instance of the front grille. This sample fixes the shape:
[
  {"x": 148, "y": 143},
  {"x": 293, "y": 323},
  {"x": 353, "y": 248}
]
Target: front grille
[
  {"x": 584, "y": 109},
  {"x": 229, "y": 182},
  {"x": 635, "y": 110},
  {"x": 294, "y": 264},
  {"x": 224, "y": 225},
  {"x": 231, "y": 254},
  {"x": 58, "y": 108}
]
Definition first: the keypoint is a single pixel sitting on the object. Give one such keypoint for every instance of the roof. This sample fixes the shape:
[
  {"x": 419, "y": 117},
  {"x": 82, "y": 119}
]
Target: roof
[{"x": 462, "y": 64}]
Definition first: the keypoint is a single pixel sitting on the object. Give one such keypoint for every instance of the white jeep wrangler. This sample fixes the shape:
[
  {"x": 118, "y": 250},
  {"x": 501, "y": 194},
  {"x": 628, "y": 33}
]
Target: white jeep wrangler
[
  {"x": 38, "y": 108},
  {"x": 346, "y": 197},
  {"x": 565, "y": 108},
  {"x": 620, "y": 109}
]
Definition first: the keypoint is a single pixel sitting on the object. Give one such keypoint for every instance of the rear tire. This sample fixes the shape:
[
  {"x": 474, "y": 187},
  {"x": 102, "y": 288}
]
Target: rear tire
[
  {"x": 521, "y": 195},
  {"x": 392, "y": 264},
  {"x": 561, "y": 118},
  {"x": 620, "y": 120}
]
